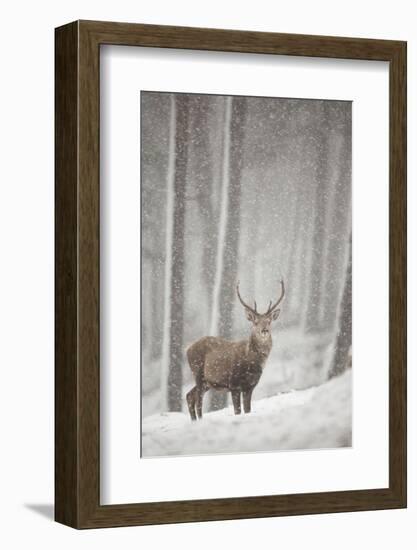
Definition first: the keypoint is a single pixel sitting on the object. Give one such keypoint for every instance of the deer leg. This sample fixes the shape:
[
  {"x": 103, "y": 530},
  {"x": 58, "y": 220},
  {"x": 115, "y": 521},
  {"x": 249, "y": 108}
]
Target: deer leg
[
  {"x": 247, "y": 398},
  {"x": 191, "y": 398},
  {"x": 236, "y": 401},
  {"x": 199, "y": 400}
]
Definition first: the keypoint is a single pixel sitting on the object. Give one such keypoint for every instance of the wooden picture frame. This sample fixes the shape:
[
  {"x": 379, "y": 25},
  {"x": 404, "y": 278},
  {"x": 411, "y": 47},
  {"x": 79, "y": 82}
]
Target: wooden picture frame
[{"x": 77, "y": 359}]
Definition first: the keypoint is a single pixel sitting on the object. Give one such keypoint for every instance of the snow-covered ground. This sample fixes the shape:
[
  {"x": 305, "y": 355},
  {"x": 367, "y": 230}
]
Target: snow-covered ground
[{"x": 318, "y": 417}]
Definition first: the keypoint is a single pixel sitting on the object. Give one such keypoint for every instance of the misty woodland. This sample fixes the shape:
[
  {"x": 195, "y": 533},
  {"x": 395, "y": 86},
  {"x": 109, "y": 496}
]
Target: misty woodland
[{"x": 246, "y": 263}]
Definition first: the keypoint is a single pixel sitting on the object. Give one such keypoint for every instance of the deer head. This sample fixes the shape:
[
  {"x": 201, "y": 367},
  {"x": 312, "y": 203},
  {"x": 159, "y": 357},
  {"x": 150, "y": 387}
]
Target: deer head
[{"x": 261, "y": 322}]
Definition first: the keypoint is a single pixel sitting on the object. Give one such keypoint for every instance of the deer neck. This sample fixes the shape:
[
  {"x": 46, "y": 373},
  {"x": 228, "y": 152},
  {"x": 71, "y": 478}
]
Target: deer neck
[{"x": 259, "y": 348}]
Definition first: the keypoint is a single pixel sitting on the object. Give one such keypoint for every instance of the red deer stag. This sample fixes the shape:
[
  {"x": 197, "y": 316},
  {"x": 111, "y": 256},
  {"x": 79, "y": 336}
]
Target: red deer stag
[{"x": 233, "y": 366}]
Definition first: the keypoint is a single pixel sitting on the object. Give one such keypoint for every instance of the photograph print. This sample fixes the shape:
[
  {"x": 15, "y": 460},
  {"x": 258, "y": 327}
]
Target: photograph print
[{"x": 246, "y": 274}]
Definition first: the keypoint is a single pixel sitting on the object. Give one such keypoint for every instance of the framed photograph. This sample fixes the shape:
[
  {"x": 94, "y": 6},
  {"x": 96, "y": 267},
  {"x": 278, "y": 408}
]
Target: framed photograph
[{"x": 230, "y": 274}]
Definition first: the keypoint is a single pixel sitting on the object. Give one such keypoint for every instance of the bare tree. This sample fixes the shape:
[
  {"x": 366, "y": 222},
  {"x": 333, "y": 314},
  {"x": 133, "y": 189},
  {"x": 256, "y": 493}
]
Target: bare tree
[
  {"x": 174, "y": 277},
  {"x": 342, "y": 352},
  {"x": 229, "y": 226},
  {"x": 322, "y": 140},
  {"x": 339, "y": 219},
  {"x": 231, "y": 247},
  {"x": 154, "y": 160},
  {"x": 203, "y": 181}
]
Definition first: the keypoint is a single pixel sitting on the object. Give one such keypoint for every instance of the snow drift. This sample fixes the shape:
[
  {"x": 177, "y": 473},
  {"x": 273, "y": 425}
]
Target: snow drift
[{"x": 316, "y": 418}]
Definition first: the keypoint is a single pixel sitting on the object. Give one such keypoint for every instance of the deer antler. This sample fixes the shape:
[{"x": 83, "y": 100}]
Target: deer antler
[
  {"x": 243, "y": 303},
  {"x": 274, "y": 306}
]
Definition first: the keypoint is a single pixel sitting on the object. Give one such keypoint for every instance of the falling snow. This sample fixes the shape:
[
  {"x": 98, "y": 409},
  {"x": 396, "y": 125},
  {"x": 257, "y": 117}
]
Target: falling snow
[{"x": 255, "y": 190}]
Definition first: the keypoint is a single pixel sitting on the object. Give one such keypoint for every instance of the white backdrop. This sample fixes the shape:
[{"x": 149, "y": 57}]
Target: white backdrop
[{"x": 26, "y": 289}]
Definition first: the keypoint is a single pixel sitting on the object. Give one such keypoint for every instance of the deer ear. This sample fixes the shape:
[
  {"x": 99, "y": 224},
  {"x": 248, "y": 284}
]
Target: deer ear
[
  {"x": 275, "y": 314},
  {"x": 250, "y": 315}
]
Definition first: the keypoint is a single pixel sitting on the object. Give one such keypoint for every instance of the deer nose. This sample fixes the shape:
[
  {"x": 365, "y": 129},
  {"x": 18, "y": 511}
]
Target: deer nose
[{"x": 265, "y": 331}]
